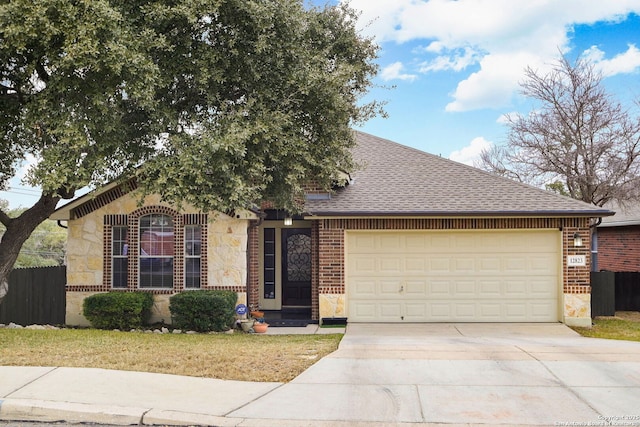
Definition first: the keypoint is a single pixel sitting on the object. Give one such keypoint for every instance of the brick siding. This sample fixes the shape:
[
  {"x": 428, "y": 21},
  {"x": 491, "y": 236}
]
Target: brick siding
[
  {"x": 619, "y": 249},
  {"x": 331, "y": 243}
]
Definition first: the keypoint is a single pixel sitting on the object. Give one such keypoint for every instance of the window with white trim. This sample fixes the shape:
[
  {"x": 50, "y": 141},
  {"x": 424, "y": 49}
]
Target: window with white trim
[
  {"x": 192, "y": 256},
  {"x": 156, "y": 237},
  {"x": 119, "y": 256}
]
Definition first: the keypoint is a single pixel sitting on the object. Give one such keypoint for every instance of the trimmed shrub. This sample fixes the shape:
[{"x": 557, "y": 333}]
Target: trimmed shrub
[
  {"x": 203, "y": 311},
  {"x": 118, "y": 310}
]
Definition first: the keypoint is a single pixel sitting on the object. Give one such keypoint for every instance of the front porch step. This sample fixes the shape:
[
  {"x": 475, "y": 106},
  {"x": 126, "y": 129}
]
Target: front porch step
[{"x": 301, "y": 323}]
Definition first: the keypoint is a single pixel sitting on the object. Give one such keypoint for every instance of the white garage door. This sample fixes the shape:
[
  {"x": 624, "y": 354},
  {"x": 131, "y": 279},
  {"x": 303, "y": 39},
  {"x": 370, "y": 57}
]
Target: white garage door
[{"x": 445, "y": 276}]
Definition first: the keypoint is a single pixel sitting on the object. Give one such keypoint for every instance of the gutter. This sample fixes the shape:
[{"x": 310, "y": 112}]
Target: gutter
[{"x": 460, "y": 214}]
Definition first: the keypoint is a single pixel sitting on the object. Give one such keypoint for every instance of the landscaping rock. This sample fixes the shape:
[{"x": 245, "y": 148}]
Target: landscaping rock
[
  {"x": 14, "y": 326},
  {"x": 177, "y": 331}
]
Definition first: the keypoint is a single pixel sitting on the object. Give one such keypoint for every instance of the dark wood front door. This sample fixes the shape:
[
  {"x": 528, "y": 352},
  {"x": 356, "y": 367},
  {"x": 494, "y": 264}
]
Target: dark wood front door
[{"x": 296, "y": 267}]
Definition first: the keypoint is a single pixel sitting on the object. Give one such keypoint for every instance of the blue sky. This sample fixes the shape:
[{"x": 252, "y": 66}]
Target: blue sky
[
  {"x": 449, "y": 70},
  {"x": 455, "y": 65}
]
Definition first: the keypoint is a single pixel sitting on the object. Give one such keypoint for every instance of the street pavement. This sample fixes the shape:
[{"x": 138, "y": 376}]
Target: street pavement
[{"x": 381, "y": 375}]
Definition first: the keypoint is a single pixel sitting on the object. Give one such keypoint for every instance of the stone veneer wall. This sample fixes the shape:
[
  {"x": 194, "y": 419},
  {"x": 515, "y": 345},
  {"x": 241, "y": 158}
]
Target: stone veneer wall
[
  {"x": 224, "y": 257},
  {"x": 331, "y": 255}
]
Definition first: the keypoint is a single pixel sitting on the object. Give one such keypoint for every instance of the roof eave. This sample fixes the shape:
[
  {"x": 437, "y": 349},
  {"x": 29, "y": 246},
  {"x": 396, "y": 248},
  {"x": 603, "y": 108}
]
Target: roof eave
[{"x": 460, "y": 214}]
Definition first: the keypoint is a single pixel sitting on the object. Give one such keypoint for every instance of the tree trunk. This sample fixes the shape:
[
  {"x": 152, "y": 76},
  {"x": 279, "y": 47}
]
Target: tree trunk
[{"x": 18, "y": 231}]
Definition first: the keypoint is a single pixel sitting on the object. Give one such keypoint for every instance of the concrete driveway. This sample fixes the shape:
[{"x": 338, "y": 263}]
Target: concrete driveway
[{"x": 510, "y": 374}]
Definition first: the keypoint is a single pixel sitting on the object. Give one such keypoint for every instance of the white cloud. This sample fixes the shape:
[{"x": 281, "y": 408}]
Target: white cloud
[
  {"x": 626, "y": 62},
  {"x": 493, "y": 86},
  {"x": 456, "y": 61},
  {"x": 470, "y": 154},
  {"x": 501, "y": 36},
  {"x": 394, "y": 72}
]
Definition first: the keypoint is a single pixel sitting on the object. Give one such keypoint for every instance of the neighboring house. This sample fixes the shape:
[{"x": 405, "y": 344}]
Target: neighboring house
[
  {"x": 619, "y": 240},
  {"x": 413, "y": 237}
]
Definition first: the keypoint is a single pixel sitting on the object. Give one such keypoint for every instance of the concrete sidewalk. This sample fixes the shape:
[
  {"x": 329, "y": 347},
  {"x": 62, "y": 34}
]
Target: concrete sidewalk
[{"x": 401, "y": 375}]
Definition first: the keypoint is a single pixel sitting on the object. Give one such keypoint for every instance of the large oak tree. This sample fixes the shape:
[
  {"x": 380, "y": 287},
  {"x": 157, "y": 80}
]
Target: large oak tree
[
  {"x": 578, "y": 140},
  {"x": 218, "y": 103}
]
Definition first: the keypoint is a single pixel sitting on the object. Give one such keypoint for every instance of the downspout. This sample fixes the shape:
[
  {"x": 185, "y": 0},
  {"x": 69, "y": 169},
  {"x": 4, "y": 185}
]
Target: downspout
[
  {"x": 594, "y": 244},
  {"x": 60, "y": 224}
]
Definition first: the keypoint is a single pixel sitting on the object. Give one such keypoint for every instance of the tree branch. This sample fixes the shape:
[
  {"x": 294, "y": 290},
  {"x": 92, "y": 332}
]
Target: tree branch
[
  {"x": 5, "y": 219},
  {"x": 42, "y": 73}
]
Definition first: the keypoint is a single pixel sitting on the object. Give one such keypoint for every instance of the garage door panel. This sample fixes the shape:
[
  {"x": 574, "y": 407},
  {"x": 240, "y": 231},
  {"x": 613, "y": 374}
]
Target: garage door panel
[
  {"x": 490, "y": 265},
  {"x": 438, "y": 289},
  {"x": 515, "y": 264},
  {"x": 438, "y": 264},
  {"x": 453, "y": 276},
  {"x": 490, "y": 312},
  {"x": 364, "y": 287},
  {"x": 416, "y": 288},
  {"x": 415, "y": 312},
  {"x": 541, "y": 288},
  {"x": 414, "y": 265},
  {"x": 464, "y": 311},
  {"x": 541, "y": 310},
  {"x": 542, "y": 264},
  {"x": 366, "y": 311},
  {"x": 515, "y": 287},
  {"x": 364, "y": 264},
  {"x": 490, "y": 288},
  {"x": 465, "y": 288},
  {"x": 390, "y": 242},
  {"x": 390, "y": 265},
  {"x": 463, "y": 263},
  {"x": 389, "y": 288}
]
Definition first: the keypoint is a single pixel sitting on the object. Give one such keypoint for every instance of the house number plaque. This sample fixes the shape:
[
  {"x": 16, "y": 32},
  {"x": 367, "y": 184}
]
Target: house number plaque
[{"x": 576, "y": 260}]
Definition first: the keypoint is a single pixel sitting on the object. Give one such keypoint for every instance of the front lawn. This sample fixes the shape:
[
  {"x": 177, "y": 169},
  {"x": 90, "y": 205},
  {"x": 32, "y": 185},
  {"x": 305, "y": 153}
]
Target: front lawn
[
  {"x": 238, "y": 356},
  {"x": 624, "y": 325}
]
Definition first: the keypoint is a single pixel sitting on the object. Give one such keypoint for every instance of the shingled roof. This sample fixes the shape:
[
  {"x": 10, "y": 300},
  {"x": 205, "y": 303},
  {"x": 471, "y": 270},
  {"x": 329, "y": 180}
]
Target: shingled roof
[{"x": 397, "y": 180}]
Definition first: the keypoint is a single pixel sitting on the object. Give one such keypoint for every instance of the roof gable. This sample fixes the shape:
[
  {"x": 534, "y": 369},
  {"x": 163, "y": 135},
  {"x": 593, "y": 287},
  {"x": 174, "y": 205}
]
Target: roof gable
[{"x": 403, "y": 181}]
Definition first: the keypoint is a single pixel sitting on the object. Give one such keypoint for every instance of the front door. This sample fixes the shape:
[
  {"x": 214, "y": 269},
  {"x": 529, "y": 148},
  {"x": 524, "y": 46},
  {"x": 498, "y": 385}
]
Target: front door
[{"x": 296, "y": 267}]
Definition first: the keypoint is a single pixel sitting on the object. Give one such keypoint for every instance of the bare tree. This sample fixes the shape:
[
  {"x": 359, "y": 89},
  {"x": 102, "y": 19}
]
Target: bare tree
[{"x": 579, "y": 136}]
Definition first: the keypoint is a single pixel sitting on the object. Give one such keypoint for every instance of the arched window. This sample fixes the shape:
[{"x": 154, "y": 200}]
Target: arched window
[{"x": 157, "y": 246}]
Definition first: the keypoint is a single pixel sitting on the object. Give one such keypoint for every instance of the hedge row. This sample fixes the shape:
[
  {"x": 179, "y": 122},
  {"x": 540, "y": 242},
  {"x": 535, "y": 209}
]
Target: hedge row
[{"x": 200, "y": 311}]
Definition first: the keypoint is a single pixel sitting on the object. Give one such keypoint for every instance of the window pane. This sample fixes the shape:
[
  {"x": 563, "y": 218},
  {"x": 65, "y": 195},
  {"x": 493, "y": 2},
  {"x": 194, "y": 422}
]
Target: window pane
[
  {"x": 156, "y": 235},
  {"x": 119, "y": 262},
  {"x": 192, "y": 240},
  {"x": 156, "y": 272},
  {"x": 156, "y": 251},
  {"x": 192, "y": 273},
  {"x": 269, "y": 263},
  {"x": 119, "y": 241},
  {"x": 119, "y": 272}
]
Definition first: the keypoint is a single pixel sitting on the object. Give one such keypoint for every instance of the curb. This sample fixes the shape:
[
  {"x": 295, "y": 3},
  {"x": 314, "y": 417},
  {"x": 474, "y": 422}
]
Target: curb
[{"x": 48, "y": 411}]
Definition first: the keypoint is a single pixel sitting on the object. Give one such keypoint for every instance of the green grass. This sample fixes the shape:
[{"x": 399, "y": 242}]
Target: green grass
[
  {"x": 238, "y": 356},
  {"x": 614, "y": 328}
]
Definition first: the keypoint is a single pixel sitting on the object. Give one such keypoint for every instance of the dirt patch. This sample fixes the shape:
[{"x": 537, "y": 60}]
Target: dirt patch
[
  {"x": 633, "y": 316},
  {"x": 629, "y": 315}
]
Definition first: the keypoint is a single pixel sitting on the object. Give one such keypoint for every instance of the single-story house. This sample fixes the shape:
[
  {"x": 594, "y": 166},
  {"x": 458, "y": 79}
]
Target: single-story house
[
  {"x": 412, "y": 237},
  {"x": 619, "y": 240}
]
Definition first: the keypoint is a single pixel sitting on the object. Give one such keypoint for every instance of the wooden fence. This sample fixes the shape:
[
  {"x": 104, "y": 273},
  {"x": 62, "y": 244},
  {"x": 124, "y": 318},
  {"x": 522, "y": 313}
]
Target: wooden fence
[
  {"x": 611, "y": 292},
  {"x": 628, "y": 291},
  {"x": 36, "y": 296}
]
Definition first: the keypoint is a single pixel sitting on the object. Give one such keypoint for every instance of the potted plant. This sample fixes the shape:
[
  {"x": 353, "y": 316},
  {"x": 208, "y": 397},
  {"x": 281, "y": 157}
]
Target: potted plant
[
  {"x": 246, "y": 324},
  {"x": 256, "y": 313},
  {"x": 260, "y": 326}
]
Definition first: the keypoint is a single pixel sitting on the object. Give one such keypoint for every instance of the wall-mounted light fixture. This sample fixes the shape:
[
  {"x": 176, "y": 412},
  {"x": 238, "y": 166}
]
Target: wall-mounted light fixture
[
  {"x": 288, "y": 220},
  {"x": 577, "y": 240}
]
